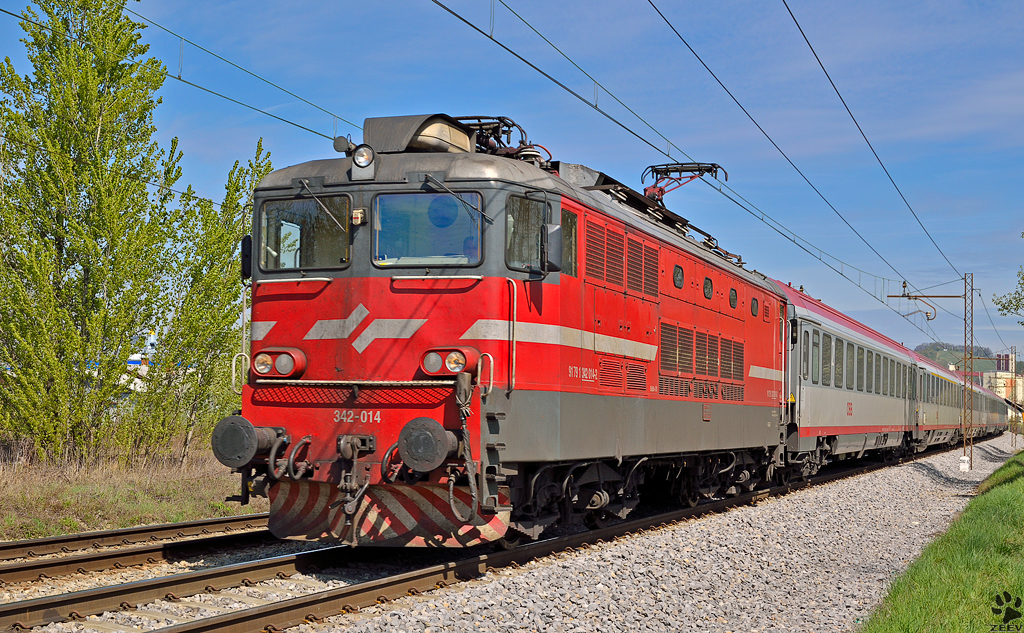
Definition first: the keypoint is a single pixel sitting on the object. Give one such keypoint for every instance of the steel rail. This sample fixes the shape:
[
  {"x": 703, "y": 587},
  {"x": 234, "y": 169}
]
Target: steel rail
[
  {"x": 317, "y": 605},
  {"x": 74, "y": 606},
  {"x": 127, "y": 536},
  {"x": 39, "y": 568}
]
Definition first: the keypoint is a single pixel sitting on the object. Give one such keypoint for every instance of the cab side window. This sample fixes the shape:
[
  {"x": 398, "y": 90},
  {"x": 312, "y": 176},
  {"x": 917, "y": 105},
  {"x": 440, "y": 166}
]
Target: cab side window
[
  {"x": 524, "y": 219},
  {"x": 570, "y": 244}
]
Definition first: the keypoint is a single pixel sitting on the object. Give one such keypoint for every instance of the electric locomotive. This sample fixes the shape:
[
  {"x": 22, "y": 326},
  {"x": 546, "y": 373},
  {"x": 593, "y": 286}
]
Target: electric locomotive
[{"x": 456, "y": 339}]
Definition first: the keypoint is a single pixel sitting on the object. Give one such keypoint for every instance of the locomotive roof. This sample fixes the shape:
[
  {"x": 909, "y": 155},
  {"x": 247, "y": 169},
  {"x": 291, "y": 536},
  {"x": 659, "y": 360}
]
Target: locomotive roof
[{"x": 590, "y": 187}]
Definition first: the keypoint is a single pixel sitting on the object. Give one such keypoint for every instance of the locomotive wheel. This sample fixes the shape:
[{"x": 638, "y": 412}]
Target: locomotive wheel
[
  {"x": 511, "y": 540},
  {"x": 597, "y": 519}
]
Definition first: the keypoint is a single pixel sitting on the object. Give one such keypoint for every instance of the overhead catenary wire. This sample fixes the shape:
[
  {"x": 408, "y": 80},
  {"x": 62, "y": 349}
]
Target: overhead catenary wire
[
  {"x": 781, "y": 152},
  {"x": 865, "y": 137},
  {"x": 242, "y": 68},
  {"x": 777, "y": 226},
  {"x": 176, "y": 78}
]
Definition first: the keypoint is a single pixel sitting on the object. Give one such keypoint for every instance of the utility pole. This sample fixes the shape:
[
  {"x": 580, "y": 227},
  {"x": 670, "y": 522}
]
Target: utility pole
[{"x": 968, "y": 418}]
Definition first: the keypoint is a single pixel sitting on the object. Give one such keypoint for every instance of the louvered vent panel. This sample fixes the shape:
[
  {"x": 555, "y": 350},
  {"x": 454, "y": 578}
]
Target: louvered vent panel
[
  {"x": 610, "y": 374},
  {"x": 669, "y": 348},
  {"x": 669, "y": 386},
  {"x": 634, "y": 265},
  {"x": 712, "y": 355},
  {"x": 636, "y": 377},
  {"x": 595, "y": 250},
  {"x": 685, "y": 351},
  {"x": 702, "y": 354},
  {"x": 726, "y": 359},
  {"x": 733, "y": 393},
  {"x": 650, "y": 271},
  {"x": 738, "y": 368},
  {"x": 616, "y": 255}
]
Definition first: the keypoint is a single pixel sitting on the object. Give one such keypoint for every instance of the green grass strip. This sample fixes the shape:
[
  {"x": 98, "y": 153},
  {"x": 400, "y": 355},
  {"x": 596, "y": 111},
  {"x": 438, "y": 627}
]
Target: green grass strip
[{"x": 954, "y": 585}]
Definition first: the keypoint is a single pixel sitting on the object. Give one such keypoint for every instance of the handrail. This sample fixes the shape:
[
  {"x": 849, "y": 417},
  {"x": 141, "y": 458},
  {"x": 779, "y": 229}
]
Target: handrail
[
  {"x": 295, "y": 279},
  {"x": 490, "y": 385},
  {"x": 357, "y": 383},
  {"x": 418, "y": 277},
  {"x": 512, "y": 342}
]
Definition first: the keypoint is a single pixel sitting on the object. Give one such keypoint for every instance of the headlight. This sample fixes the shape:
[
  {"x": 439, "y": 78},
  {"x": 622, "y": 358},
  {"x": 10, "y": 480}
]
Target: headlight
[
  {"x": 432, "y": 362},
  {"x": 262, "y": 363},
  {"x": 455, "y": 362},
  {"x": 363, "y": 156},
  {"x": 284, "y": 364}
]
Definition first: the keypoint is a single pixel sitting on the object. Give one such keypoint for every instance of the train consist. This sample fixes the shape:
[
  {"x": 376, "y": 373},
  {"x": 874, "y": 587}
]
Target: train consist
[{"x": 456, "y": 339}]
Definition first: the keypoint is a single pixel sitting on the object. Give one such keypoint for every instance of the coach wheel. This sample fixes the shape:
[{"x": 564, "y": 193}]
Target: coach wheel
[
  {"x": 597, "y": 519},
  {"x": 689, "y": 497}
]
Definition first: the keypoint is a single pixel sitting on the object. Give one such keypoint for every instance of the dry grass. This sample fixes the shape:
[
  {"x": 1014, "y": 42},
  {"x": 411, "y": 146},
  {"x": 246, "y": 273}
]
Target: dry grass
[{"x": 39, "y": 500}]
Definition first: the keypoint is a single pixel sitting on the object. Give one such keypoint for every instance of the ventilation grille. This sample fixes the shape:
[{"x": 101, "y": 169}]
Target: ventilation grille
[
  {"x": 738, "y": 367},
  {"x": 616, "y": 253},
  {"x": 732, "y": 393},
  {"x": 650, "y": 271},
  {"x": 669, "y": 348},
  {"x": 609, "y": 376},
  {"x": 712, "y": 355},
  {"x": 725, "y": 359},
  {"x": 669, "y": 386},
  {"x": 636, "y": 377},
  {"x": 702, "y": 354},
  {"x": 634, "y": 266},
  {"x": 595, "y": 250}
]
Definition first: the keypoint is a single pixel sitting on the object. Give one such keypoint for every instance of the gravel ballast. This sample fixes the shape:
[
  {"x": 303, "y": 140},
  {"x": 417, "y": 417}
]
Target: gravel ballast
[{"x": 816, "y": 559}]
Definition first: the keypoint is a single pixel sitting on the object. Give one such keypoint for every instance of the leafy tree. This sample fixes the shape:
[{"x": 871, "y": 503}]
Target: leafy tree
[
  {"x": 1012, "y": 303},
  {"x": 85, "y": 259},
  {"x": 97, "y": 252},
  {"x": 187, "y": 382}
]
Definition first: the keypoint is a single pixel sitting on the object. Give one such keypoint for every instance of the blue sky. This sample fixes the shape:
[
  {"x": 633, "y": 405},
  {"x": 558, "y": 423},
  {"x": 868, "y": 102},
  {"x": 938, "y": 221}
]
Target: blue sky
[{"x": 938, "y": 87}]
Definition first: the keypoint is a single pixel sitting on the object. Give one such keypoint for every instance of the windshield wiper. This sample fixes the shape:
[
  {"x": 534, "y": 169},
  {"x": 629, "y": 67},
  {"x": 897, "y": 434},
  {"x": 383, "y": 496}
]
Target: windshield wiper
[
  {"x": 322, "y": 206},
  {"x": 467, "y": 205}
]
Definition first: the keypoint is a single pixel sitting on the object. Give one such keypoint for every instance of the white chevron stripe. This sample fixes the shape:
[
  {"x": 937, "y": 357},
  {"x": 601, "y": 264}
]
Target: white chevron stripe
[
  {"x": 765, "y": 373},
  {"x": 258, "y": 330},
  {"x": 498, "y": 330},
  {"x": 387, "y": 328},
  {"x": 327, "y": 329}
]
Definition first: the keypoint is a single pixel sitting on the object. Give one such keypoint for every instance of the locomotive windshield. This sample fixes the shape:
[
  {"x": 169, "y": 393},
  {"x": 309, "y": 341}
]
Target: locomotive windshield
[
  {"x": 426, "y": 229},
  {"x": 302, "y": 234}
]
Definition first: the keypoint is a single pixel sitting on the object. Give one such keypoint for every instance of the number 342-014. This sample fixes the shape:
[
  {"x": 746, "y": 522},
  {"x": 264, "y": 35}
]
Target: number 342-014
[{"x": 348, "y": 416}]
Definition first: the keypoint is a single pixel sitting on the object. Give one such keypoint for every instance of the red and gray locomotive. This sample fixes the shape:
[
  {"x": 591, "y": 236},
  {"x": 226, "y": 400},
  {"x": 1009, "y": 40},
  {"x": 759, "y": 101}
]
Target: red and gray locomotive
[{"x": 456, "y": 339}]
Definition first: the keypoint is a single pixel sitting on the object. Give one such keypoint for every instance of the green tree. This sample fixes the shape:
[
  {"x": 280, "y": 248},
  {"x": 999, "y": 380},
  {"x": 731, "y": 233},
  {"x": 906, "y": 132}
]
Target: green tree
[
  {"x": 187, "y": 383},
  {"x": 85, "y": 259},
  {"x": 1012, "y": 303},
  {"x": 97, "y": 252}
]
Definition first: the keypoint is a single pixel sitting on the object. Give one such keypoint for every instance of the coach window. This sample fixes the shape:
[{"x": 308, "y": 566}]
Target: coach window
[
  {"x": 885, "y": 376},
  {"x": 815, "y": 357},
  {"x": 804, "y": 351},
  {"x": 850, "y": 364},
  {"x": 871, "y": 371},
  {"x": 524, "y": 219},
  {"x": 860, "y": 368},
  {"x": 839, "y": 363},
  {"x": 570, "y": 243},
  {"x": 302, "y": 234},
  {"x": 826, "y": 359},
  {"x": 878, "y": 373}
]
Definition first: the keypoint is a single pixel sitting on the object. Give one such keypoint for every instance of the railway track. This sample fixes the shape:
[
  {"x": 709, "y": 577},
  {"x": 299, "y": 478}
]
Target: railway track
[
  {"x": 72, "y": 542},
  {"x": 276, "y": 614}
]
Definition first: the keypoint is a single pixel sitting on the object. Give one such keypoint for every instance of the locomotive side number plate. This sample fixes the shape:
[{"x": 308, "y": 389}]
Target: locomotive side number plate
[{"x": 348, "y": 416}]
